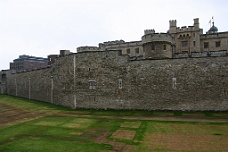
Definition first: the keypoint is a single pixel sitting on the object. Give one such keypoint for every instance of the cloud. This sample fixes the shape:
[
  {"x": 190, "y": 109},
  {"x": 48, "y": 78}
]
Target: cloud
[{"x": 43, "y": 27}]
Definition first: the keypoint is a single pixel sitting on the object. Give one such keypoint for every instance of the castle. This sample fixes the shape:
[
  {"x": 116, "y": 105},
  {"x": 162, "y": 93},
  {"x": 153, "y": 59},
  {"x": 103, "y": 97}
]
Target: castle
[
  {"x": 177, "y": 42},
  {"x": 182, "y": 69}
]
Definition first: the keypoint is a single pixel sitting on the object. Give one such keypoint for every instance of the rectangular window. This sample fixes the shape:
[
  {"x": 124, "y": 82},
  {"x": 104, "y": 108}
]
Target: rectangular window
[
  {"x": 120, "y": 83},
  {"x": 164, "y": 47},
  {"x": 92, "y": 84},
  {"x": 184, "y": 44},
  {"x": 174, "y": 83},
  {"x": 217, "y": 44},
  {"x": 137, "y": 51},
  {"x": 128, "y": 51},
  {"x": 206, "y": 45},
  {"x": 152, "y": 47},
  {"x": 194, "y": 43}
]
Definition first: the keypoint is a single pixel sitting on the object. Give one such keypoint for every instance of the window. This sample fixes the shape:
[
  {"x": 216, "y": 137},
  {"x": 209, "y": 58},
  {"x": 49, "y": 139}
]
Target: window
[
  {"x": 92, "y": 84},
  {"x": 194, "y": 43},
  {"x": 174, "y": 83},
  {"x": 152, "y": 47},
  {"x": 184, "y": 44},
  {"x": 120, "y": 83},
  {"x": 194, "y": 34},
  {"x": 128, "y": 51},
  {"x": 206, "y": 45},
  {"x": 137, "y": 51},
  {"x": 217, "y": 44},
  {"x": 164, "y": 47}
]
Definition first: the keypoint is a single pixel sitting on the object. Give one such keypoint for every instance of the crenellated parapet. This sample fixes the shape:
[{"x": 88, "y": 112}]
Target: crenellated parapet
[
  {"x": 157, "y": 37},
  {"x": 88, "y": 49},
  {"x": 173, "y": 29},
  {"x": 214, "y": 35},
  {"x": 110, "y": 43},
  {"x": 185, "y": 29},
  {"x": 149, "y": 31},
  {"x": 119, "y": 45}
]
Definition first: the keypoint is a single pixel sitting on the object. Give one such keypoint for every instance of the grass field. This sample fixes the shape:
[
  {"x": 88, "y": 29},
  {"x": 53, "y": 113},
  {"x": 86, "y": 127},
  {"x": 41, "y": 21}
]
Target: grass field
[{"x": 27, "y": 125}]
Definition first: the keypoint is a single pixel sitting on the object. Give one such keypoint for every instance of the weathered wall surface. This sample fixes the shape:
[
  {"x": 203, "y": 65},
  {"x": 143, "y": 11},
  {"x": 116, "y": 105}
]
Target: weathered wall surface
[
  {"x": 32, "y": 85},
  {"x": 105, "y": 69},
  {"x": 63, "y": 81},
  {"x": 52, "y": 85},
  {"x": 109, "y": 80},
  {"x": 174, "y": 84},
  {"x": 191, "y": 84}
]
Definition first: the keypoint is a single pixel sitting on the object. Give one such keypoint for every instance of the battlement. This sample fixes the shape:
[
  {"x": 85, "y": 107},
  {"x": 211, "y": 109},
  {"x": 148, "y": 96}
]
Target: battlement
[
  {"x": 149, "y": 31},
  {"x": 103, "y": 46},
  {"x": 221, "y": 53},
  {"x": 157, "y": 37},
  {"x": 172, "y": 23},
  {"x": 88, "y": 48},
  {"x": 64, "y": 52},
  {"x": 185, "y": 29},
  {"x": 112, "y": 42},
  {"x": 214, "y": 35},
  {"x": 196, "y": 20},
  {"x": 174, "y": 29}
]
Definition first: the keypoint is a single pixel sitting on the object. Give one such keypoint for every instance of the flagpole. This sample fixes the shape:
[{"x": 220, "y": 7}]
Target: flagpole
[{"x": 212, "y": 20}]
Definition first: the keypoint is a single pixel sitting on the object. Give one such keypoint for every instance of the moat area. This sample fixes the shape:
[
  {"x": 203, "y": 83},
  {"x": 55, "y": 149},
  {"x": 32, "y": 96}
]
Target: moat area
[{"x": 28, "y": 125}]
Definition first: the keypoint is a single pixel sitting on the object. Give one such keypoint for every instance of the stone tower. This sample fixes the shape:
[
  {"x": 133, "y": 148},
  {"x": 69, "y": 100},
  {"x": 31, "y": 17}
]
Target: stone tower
[{"x": 172, "y": 26}]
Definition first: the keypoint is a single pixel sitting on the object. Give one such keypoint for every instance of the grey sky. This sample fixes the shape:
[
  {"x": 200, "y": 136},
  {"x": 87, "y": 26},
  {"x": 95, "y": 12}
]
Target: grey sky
[{"x": 43, "y": 27}]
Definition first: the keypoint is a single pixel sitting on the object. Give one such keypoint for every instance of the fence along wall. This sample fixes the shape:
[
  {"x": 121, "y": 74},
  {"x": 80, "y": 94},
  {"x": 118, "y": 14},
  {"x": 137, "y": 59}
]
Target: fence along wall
[{"x": 109, "y": 80}]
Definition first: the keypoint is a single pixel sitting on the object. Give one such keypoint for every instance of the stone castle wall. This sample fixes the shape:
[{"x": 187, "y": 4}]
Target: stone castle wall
[{"x": 110, "y": 80}]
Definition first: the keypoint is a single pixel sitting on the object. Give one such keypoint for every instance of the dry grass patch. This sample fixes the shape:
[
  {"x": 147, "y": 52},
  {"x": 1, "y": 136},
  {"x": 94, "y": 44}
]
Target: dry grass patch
[
  {"x": 129, "y": 148},
  {"x": 79, "y": 123},
  {"x": 187, "y": 129},
  {"x": 130, "y": 125},
  {"x": 124, "y": 134},
  {"x": 48, "y": 123},
  {"x": 185, "y": 142},
  {"x": 74, "y": 125},
  {"x": 76, "y": 133},
  {"x": 83, "y": 121}
]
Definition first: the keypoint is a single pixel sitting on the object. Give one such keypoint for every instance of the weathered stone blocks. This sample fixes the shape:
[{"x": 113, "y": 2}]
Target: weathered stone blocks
[{"x": 120, "y": 83}]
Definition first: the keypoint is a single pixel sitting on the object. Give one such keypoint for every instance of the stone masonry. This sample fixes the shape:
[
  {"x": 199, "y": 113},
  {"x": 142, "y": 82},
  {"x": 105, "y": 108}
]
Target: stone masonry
[
  {"x": 182, "y": 69},
  {"x": 110, "y": 80}
]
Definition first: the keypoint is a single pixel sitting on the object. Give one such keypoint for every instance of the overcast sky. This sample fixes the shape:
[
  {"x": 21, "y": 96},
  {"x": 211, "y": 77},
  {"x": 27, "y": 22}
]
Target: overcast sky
[{"x": 43, "y": 27}]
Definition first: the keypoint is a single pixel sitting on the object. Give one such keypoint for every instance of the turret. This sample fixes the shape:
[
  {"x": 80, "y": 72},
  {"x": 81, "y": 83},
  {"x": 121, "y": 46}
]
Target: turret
[
  {"x": 196, "y": 23},
  {"x": 213, "y": 29},
  {"x": 172, "y": 26},
  {"x": 172, "y": 23}
]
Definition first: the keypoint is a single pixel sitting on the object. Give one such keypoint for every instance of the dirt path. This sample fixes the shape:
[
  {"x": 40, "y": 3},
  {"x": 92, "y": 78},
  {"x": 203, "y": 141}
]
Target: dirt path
[
  {"x": 157, "y": 118},
  {"x": 9, "y": 114}
]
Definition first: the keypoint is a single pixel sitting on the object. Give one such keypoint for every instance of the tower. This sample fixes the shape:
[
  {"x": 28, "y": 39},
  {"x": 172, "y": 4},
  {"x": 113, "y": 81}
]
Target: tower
[
  {"x": 172, "y": 26},
  {"x": 196, "y": 23},
  {"x": 213, "y": 29}
]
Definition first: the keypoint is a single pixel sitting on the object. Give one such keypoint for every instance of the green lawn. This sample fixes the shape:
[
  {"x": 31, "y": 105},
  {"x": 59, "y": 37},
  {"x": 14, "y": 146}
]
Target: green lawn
[{"x": 61, "y": 129}]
